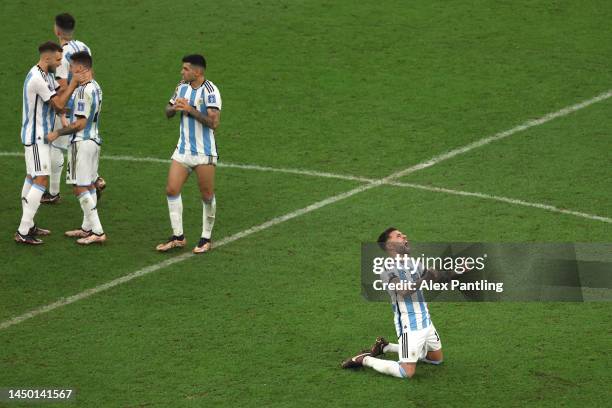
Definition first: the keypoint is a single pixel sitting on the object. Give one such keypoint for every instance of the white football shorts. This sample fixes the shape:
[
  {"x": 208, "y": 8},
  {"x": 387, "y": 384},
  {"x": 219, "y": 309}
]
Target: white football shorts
[
  {"x": 38, "y": 161},
  {"x": 83, "y": 158},
  {"x": 415, "y": 344},
  {"x": 190, "y": 161}
]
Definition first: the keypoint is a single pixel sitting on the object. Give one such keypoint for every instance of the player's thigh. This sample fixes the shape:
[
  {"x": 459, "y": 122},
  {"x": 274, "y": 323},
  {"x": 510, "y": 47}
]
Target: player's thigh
[
  {"x": 38, "y": 162},
  {"x": 206, "y": 179},
  {"x": 177, "y": 175},
  {"x": 71, "y": 156},
  {"x": 86, "y": 166},
  {"x": 433, "y": 342},
  {"x": 411, "y": 346}
]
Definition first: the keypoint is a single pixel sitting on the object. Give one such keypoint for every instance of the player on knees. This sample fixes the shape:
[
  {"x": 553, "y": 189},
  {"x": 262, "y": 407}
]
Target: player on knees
[
  {"x": 84, "y": 149},
  {"x": 40, "y": 102},
  {"x": 417, "y": 337},
  {"x": 198, "y": 102}
]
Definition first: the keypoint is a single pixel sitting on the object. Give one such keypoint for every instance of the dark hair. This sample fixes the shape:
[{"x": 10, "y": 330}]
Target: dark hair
[
  {"x": 195, "y": 59},
  {"x": 82, "y": 58},
  {"x": 65, "y": 21},
  {"x": 384, "y": 236},
  {"x": 49, "y": 46}
]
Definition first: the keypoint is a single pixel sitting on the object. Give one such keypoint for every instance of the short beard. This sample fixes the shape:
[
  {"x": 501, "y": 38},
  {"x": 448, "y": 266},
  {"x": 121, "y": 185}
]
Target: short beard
[{"x": 400, "y": 249}]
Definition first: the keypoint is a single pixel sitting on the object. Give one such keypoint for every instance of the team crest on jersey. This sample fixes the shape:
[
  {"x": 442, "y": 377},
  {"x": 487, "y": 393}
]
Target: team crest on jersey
[{"x": 212, "y": 99}]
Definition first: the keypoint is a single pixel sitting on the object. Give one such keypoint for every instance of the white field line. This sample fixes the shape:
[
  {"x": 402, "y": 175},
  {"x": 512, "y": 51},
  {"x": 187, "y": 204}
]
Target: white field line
[
  {"x": 179, "y": 258},
  {"x": 501, "y": 135},
  {"x": 514, "y": 201},
  {"x": 313, "y": 207},
  {"x": 312, "y": 173},
  {"x": 228, "y": 165}
]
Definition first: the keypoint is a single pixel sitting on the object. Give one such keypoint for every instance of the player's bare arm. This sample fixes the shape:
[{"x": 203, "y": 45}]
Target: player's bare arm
[
  {"x": 76, "y": 126},
  {"x": 63, "y": 85},
  {"x": 210, "y": 120},
  {"x": 170, "y": 111},
  {"x": 58, "y": 102}
]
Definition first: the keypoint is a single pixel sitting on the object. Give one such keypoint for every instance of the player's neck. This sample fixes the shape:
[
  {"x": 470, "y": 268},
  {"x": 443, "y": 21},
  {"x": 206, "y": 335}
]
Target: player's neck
[
  {"x": 43, "y": 65},
  {"x": 196, "y": 83},
  {"x": 64, "y": 40}
]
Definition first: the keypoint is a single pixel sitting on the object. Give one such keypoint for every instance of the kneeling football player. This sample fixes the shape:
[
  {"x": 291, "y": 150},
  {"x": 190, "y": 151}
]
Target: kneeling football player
[{"x": 417, "y": 338}]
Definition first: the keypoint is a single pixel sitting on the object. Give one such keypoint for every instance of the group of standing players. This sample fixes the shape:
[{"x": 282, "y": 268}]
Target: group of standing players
[{"x": 61, "y": 115}]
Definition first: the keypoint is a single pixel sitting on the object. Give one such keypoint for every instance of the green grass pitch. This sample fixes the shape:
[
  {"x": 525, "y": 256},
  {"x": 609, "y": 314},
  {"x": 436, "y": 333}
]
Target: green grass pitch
[{"x": 363, "y": 89}]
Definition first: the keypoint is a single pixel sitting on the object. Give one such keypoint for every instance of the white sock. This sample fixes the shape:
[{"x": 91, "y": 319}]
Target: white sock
[
  {"x": 57, "y": 164},
  {"x": 391, "y": 348},
  {"x": 27, "y": 184},
  {"x": 31, "y": 204},
  {"x": 86, "y": 225},
  {"x": 208, "y": 217},
  {"x": 91, "y": 213},
  {"x": 384, "y": 366},
  {"x": 175, "y": 207}
]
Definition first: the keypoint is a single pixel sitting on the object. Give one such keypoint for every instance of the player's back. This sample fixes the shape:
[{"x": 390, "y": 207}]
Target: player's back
[{"x": 71, "y": 47}]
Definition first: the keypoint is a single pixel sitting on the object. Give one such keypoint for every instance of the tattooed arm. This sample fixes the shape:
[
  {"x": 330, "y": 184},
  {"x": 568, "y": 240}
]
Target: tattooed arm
[
  {"x": 210, "y": 120},
  {"x": 77, "y": 125}
]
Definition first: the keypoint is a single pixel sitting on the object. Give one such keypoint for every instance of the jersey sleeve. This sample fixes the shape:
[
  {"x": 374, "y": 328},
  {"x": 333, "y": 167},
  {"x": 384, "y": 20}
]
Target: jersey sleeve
[
  {"x": 83, "y": 102},
  {"x": 42, "y": 89},
  {"x": 62, "y": 71},
  {"x": 213, "y": 99}
]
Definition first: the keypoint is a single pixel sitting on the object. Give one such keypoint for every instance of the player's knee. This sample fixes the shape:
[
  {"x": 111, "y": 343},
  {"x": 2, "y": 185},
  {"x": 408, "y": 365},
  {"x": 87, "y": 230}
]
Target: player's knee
[
  {"x": 436, "y": 357},
  {"x": 407, "y": 371},
  {"x": 207, "y": 195},
  {"x": 172, "y": 191},
  {"x": 40, "y": 180}
]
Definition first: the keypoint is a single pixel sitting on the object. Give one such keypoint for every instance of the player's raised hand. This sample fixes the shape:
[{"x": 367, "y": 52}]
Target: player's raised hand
[{"x": 81, "y": 77}]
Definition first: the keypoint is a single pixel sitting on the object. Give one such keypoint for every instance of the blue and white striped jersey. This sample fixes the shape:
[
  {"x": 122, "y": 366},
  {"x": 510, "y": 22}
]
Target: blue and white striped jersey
[
  {"x": 63, "y": 71},
  {"x": 410, "y": 311},
  {"x": 196, "y": 138},
  {"x": 38, "y": 116},
  {"x": 88, "y": 104}
]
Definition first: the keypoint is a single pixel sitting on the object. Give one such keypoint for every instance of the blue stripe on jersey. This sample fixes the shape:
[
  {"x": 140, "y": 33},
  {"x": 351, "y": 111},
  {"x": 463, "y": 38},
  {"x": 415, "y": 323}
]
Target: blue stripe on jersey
[
  {"x": 92, "y": 113},
  {"x": 424, "y": 322},
  {"x": 411, "y": 315},
  {"x": 192, "y": 124},
  {"x": 35, "y": 119},
  {"x": 398, "y": 314},
  {"x": 182, "y": 93},
  {"x": 26, "y": 108},
  {"x": 45, "y": 115},
  {"x": 206, "y": 133},
  {"x": 409, "y": 306}
]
